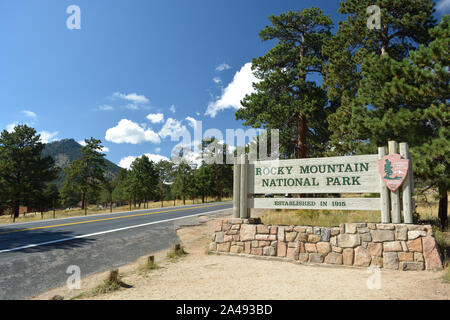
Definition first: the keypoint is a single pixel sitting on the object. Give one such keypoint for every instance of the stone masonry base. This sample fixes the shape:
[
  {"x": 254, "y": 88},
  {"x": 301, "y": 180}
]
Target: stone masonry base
[{"x": 389, "y": 246}]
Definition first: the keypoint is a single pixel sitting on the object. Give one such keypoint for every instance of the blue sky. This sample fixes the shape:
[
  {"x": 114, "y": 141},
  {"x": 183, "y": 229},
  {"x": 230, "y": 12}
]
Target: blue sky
[{"x": 137, "y": 73}]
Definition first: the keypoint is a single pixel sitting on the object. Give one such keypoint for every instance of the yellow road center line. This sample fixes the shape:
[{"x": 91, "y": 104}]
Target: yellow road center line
[{"x": 113, "y": 218}]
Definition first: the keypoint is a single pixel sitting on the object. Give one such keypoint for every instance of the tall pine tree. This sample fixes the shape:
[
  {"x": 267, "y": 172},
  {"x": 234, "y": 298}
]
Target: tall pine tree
[
  {"x": 420, "y": 86},
  {"x": 24, "y": 174},
  {"x": 356, "y": 69},
  {"x": 287, "y": 98}
]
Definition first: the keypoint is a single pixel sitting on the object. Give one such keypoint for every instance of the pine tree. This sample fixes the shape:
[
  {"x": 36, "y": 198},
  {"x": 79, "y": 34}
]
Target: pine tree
[
  {"x": 86, "y": 174},
  {"x": 24, "y": 174},
  {"x": 357, "y": 63},
  {"x": 144, "y": 178},
  {"x": 420, "y": 85},
  {"x": 286, "y": 98},
  {"x": 165, "y": 176}
]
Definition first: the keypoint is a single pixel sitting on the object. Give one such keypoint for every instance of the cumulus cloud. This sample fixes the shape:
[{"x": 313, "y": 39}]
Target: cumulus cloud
[
  {"x": 29, "y": 114},
  {"x": 172, "y": 109},
  {"x": 183, "y": 153},
  {"x": 173, "y": 129},
  {"x": 10, "y": 127},
  {"x": 235, "y": 91},
  {"x": 128, "y": 131},
  {"x": 222, "y": 67},
  {"x": 47, "y": 137},
  {"x": 217, "y": 80},
  {"x": 155, "y": 117},
  {"x": 443, "y": 6},
  {"x": 193, "y": 123},
  {"x": 127, "y": 161}
]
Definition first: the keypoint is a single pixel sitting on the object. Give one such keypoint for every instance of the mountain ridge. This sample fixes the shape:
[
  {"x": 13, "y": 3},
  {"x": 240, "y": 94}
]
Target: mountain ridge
[{"x": 65, "y": 151}]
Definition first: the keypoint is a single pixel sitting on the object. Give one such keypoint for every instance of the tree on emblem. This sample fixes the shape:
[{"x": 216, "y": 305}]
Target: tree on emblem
[{"x": 388, "y": 171}]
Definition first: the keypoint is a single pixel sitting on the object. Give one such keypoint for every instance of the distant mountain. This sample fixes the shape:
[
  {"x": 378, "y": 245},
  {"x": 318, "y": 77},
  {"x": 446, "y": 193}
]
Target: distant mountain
[{"x": 65, "y": 151}]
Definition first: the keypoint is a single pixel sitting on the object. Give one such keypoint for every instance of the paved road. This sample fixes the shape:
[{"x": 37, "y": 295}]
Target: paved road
[{"x": 34, "y": 256}]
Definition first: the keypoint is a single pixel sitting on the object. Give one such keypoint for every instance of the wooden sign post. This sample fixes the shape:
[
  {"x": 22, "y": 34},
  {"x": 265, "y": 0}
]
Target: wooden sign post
[{"x": 334, "y": 175}]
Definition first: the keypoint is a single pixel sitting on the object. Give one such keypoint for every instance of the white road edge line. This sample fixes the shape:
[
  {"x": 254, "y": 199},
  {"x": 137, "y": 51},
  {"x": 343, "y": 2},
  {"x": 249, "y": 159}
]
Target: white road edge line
[{"x": 105, "y": 232}]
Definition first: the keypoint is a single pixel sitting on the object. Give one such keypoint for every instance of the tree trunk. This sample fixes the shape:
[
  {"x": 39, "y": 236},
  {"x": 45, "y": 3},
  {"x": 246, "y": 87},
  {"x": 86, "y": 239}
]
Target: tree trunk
[
  {"x": 443, "y": 208},
  {"x": 203, "y": 198},
  {"x": 15, "y": 210},
  {"x": 83, "y": 199},
  {"x": 385, "y": 40},
  {"x": 184, "y": 200},
  {"x": 301, "y": 138},
  {"x": 110, "y": 205}
]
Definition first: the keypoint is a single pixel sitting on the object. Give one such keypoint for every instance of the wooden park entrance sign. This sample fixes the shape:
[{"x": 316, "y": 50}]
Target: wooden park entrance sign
[{"x": 381, "y": 173}]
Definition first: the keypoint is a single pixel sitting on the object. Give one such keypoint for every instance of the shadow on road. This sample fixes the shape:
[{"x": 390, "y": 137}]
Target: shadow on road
[{"x": 50, "y": 240}]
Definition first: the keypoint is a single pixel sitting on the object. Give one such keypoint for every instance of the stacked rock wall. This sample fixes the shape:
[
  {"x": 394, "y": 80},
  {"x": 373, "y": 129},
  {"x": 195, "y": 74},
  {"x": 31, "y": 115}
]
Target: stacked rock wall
[{"x": 390, "y": 246}]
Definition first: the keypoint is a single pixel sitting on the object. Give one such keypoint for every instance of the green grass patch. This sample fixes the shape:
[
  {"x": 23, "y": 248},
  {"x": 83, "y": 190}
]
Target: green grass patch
[
  {"x": 176, "y": 252},
  {"x": 110, "y": 284},
  {"x": 147, "y": 267}
]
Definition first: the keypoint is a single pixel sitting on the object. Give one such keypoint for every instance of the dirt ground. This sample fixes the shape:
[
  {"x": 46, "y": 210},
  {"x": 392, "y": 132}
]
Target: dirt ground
[{"x": 200, "y": 275}]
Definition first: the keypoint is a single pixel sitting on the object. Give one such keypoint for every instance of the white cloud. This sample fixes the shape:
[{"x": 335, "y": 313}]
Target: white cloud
[
  {"x": 222, "y": 67},
  {"x": 128, "y": 131},
  {"x": 29, "y": 114},
  {"x": 233, "y": 94},
  {"x": 217, "y": 80},
  {"x": 158, "y": 149},
  {"x": 443, "y": 6},
  {"x": 132, "y": 97},
  {"x": 10, "y": 127},
  {"x": 192, "y": 122},
  {"x": 105, "y": 108},
  {"x": 184, "y": 153},
  {"x": 47, "y": 137},
  {"x": 127, "y": 161},
  {"x": 82, "y": 142},
  {"x": 174, "y": 129},
  {"x": 155, "y": 117},
  {"x": 172, "y": 108}
]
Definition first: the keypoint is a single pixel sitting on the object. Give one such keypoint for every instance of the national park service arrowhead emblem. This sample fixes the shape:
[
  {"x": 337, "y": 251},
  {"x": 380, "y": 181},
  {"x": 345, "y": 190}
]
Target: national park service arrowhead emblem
[{"x": 393, "y": 170}]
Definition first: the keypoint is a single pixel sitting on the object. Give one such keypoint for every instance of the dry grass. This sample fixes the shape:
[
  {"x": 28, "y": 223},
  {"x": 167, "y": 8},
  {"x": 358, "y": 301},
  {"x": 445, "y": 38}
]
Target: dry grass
[
  {"x": 77, "y": 212},
  {"x": 426, "y": 212},
  {"x": 323, "y": 218},
  {"x": 176, "y": 252}
]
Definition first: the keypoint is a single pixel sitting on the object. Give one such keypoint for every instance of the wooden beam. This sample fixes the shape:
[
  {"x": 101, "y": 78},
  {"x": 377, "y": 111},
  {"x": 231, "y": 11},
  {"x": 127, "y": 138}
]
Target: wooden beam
[
  {"x": 384, "y": 193},
  {"x": 406, "y": 187},
  {"x": 243, "y": 208},
  {"x": 395, "y": 195},
  {"x": 236, "y": 191}
]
